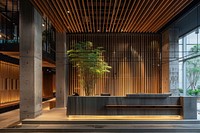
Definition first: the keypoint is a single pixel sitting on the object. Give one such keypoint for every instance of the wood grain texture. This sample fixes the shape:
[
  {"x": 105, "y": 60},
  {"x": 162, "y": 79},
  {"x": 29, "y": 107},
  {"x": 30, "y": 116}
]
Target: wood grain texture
[
  {"x": 134, "y": 58},
  {"x": 142, "y": 16},
  {"x": 9, "y": 82},
  {"x": 97, "y": 105}
]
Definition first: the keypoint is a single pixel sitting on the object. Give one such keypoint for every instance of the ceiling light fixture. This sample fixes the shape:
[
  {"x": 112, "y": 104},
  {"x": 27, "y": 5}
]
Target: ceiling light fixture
[
  {"x": 0, "y": 35},
  {"x": 43, "y": 24},
  {"x": 68, "y": 11}
]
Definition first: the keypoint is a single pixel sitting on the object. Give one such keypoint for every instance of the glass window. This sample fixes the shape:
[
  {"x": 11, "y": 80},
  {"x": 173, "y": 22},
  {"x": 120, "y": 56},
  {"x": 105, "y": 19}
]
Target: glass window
[{"x": 189, "y": 64}]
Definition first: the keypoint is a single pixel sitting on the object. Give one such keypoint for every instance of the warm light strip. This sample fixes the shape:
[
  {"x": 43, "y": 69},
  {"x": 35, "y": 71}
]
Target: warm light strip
[{"x": 125, "y": 117}]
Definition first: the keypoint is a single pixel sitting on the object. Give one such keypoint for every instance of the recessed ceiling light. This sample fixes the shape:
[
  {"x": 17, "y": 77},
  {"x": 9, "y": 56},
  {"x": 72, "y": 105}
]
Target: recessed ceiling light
[
  {"x": 121, "y": 30},
  {"x": 98, "y": 30},
  {"x": 68, "y": 11},
  {"x": 0, "y": 35},
  {"x": 43, "y": 24}
]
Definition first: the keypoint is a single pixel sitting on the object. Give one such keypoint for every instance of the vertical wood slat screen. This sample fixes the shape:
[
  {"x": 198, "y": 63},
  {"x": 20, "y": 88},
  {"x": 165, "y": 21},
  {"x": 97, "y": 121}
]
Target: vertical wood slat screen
[
  {"x": 135, "y": 60},
  {"x": 9, "y": 82}
]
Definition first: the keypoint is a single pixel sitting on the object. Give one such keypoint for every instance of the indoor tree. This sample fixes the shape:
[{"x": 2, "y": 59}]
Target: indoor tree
[{"x": 90, "y": 64}]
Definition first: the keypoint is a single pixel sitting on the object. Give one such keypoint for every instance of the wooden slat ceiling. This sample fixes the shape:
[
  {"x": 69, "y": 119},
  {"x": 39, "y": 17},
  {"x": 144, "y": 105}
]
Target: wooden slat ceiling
[{"x": 142, "y": 16}]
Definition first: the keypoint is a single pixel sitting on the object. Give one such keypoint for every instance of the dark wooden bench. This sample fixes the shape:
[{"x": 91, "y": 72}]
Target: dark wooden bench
[{"x": 143, "y": 106}]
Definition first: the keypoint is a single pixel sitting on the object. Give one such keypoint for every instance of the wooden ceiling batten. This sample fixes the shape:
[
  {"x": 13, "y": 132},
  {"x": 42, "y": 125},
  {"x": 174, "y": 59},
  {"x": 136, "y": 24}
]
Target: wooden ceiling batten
[
  {"x": 134, "y": 14},
  {"x": 104, "y": 16},
  {"x": 163, "y": 12},
  {"x": 123, "y": 20},
  {"x": 86, "y": 17},
  {"x": 54, "y": 14},
  {"x": 73, "y": 13},
  {"x": 78, "y": 15},
  {"x": 70, "y": 15},
  {"x": 44, "y": 9},
  {"x": 64, "y": 11},
  {"x": 90, "y": 22},
  {"x": 149, "y": 12},
  {"x": 60, "y": 14},
  {"x": 116, "y": 16},
  {"x": 113, "y": 13},
  {"x": 120, "y": 19},
  {"x": 149, "y": 6},
  {"x": 154, "y": 15},
  {"x": 97, "y": 25},
  {"x": 93, "y": 16},
  {"x": 66, "y": 22},
  {"x": 107, "y": 24},
  {"x": 82, "y": 20},
  {"x": 169, "y": 13},
  {"x": 82, "y": 16}
]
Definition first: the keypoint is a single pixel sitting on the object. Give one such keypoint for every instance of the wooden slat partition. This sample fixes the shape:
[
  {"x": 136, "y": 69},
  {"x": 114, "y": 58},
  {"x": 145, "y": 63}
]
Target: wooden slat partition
[
  {"x": 135, "y": 60},
  {"x": 9, "y": 82}
]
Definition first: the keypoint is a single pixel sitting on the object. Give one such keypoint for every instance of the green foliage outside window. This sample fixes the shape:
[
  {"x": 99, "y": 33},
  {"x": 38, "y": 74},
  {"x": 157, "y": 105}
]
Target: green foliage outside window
[{"x": 193, "y": 72}]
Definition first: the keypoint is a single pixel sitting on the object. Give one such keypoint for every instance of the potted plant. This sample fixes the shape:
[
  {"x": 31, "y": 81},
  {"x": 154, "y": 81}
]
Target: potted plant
[{"x": 90, "y": 64}]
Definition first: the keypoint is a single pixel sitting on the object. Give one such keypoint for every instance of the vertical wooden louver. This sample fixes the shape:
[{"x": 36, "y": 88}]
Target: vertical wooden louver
[
  {"x": 135, "y": 60},
  {"x": 9, "y": 82}
]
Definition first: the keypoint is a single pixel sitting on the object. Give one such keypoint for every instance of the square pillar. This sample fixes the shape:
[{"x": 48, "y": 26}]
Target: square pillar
[
  {"x": 61, "y": 87},
  {"x": 30, "y": 61}
]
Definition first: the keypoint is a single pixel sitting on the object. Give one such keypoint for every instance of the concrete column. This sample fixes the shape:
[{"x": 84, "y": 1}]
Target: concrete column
[
  {"x": 174, "y": 64},
  {"x": 61, "y": 90},
  {"x": 30, "y": 61}
]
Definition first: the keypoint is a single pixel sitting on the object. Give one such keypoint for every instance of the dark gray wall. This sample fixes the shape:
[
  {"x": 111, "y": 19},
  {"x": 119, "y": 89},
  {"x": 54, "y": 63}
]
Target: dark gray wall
[{"x": 188, "y": 22}]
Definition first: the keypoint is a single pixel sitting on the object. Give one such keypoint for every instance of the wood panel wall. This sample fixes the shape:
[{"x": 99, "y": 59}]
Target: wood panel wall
[
  {"x": 135, "y": 60},
  {"x": 9, "y": 82},
  {"x": 48, "y": 85}
]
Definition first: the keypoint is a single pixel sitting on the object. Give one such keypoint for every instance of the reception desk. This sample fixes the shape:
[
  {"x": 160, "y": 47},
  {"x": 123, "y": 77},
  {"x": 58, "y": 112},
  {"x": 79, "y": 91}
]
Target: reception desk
[{"x": 134, "y": 104}]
